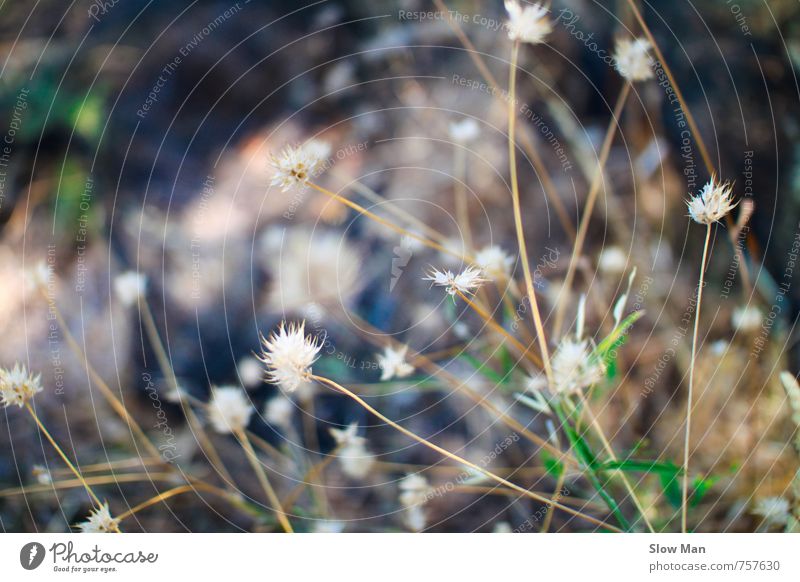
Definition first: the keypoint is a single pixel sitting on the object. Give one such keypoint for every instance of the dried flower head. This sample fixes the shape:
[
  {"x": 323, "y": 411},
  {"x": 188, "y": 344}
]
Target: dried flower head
[
  {"x": 632, "y": 59},
  {"x": 713, "y": 203},
  {"x": 464, "y": 131},
  {"x": 495, "y": 262},
  {"x": 576, "y": 366},
  {"x": 129, "y": 287},
  {"x": 466, "y": 282},
  {"x": 773, "y": 510},
  {"x": 278, "y": 411},
  {"x": 297, "y": 165},
  {"x": 393, "y": 363},
  {"x": 613, "y": 261},
  {"x": 355, "y": 459},
  {"x": 746, "y": 319},
  {"x": 42, "y": 475},
  {"x": 229, "y": 409},
  {"x": 414, "y": 490},
  {"x": 529, "y": 23},
  {"x": 289, "y": 355},
  {"x": 99, "y": 521},
  {"x": 251, "y": 372},
  {"x": 17, "y": 386},
  {"x": 38, "y": 277}
]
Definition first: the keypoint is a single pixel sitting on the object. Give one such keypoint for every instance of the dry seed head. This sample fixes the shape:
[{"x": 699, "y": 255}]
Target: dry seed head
[
  {"x": 355, "y": 459},
  {"x": 713, "y": 203},
  {"x": 17, "y": 386},
  {"x": 527, "y": 23},
  {"x": 278, "y": 411},
  {"x": 495, "y": 262},
  {"x": 229, "y": 409},
  {"x": 289, "y": 355},
  {"x": 393, "y": 363},
  {"x": 297, "y": 165},
  {"x": 632, "y": 59},
  {"x": 466, "y": 282},
  {"x": 129, "y": 287},
  {"x": 613, "y": 261},
  {"x": 746, "y": 319},
  {"x": 575, "y": 366},
  {"x": 99, "y": 521},
  {"x": 464, "y": 131},
  {"x": 773, "y": 510}
]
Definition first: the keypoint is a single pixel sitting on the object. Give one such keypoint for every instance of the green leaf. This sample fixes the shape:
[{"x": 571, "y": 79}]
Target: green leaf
[
  {"x": 552, "y": 465},
  {"x": 619, "y": 332},
  {"x": 483, "y": 368},
  {"x": 667, "y": 469}
]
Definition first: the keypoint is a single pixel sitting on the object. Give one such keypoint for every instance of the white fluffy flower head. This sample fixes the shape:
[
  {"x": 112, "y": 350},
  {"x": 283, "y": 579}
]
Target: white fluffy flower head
[
  {"x": 17, "y": 386},
  {"x": 747, "y": 318},
  {"x": 466, "y": 282},
  {"x": 278, "y": 411},
  {"x": 495, "y": 262},
  {"x": 393, "y": 363},
  {"x": 713, "y": 203},
  {"x": 576, "y": 366},
  {"x": 355, "y": 459},
  {"x": 99, "y": 521},
  {"x": 229, "y": 409},
  {"x": 632, "y": 59},
  {"x": 297, "y": 165},
  {"x": 464, "y": 131},
  {"x": 529, "y": 23},
  {"x": 773, "y": 510},
  {"x": 289, "y": 355},
  {"x": 612, "y": 260},
  {"x": 129, "y": 287}
]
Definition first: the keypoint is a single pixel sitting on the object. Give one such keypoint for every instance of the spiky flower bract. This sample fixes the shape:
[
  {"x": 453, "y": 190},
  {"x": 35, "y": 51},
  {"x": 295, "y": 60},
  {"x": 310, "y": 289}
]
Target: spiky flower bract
[
  {"x": 99, "y": 521},
  {"x": 528, "y": 23},
  {"x": 466, "y": 282},
  {"x": 289, "y": 355},
  {"x": 297, "y": 165},
  {"x": 229, "y": 409},
  {"x": 393, "y": 363},
  {"x": 17, "y": 386},
  {"x": 713, "y": 203},
  {"x": 575, "y": 366},
  {"x": 632, "y": 59}
]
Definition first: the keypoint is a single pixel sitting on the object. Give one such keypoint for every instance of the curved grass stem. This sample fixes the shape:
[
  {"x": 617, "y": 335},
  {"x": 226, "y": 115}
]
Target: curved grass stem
[
  {"x": 388, "y": 224},
  {"x": 444, "y": 452},
  {"x": 272, "y": 497},
  {"x": 690, "y": 395},
  {"x": 591, "y": 199},
  {"x": 523, "y": 249}
]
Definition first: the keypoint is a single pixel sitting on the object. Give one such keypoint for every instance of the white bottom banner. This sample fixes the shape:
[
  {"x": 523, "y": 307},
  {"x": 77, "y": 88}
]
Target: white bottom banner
[{"x": 400, "y": 557}]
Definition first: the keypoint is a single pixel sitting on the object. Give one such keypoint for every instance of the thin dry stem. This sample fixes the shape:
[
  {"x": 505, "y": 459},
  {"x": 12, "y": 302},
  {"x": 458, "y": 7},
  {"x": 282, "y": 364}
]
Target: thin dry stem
[
  {"x": 274, "y": 501},
  {"x": 63, "y": 456},
  {"x": 523, "y": 250},
  {"x": 454, "y": 457},
  {"x": 591, "y": 199},
  {"x": 690, "y": 396},
  {"x": 387, "y": 223}
]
